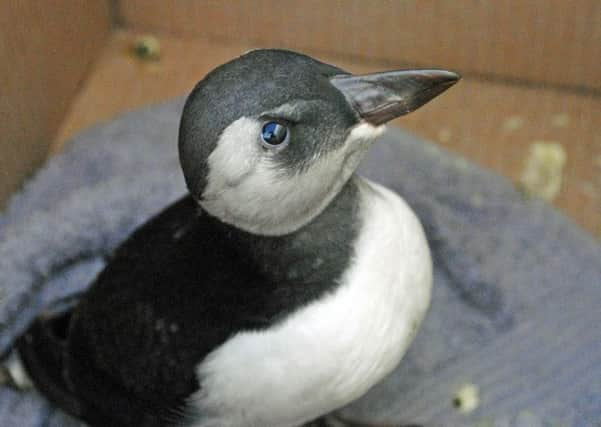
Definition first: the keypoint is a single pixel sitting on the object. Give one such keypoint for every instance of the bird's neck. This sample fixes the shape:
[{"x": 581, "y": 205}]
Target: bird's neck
[{"x": 315, "y": 253}]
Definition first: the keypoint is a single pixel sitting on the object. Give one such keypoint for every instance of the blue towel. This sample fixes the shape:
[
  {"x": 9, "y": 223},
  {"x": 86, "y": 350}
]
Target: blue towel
[{"x": 516, "y": 308}]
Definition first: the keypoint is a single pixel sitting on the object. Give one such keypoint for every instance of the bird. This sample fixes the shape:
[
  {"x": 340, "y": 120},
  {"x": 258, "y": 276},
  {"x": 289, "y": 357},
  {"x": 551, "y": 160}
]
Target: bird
[{"x": 281, "y": 287}]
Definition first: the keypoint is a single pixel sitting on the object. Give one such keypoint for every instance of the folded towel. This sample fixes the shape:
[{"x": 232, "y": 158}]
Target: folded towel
[{"x": 515, "y": 309}]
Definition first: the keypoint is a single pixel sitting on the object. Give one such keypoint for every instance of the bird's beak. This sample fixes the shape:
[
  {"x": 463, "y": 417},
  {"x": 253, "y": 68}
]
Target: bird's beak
[{"x": 380, "y": 97}]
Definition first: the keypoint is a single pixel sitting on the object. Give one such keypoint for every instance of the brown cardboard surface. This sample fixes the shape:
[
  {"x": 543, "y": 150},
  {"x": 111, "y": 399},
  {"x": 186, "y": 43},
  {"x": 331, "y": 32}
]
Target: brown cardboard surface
[
  {"x": 45, "y": 51},
  {"x": 490, "y": 123},
  {"x": 543, "y": 41}
]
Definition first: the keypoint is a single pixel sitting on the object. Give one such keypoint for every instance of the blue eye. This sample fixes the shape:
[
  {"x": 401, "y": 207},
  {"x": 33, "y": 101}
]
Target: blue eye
[{"x": 274, "y": 133}]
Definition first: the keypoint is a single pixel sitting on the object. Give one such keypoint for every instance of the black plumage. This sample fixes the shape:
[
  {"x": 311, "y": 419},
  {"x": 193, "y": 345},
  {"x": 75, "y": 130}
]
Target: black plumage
[{"x": 176, "y": 289}]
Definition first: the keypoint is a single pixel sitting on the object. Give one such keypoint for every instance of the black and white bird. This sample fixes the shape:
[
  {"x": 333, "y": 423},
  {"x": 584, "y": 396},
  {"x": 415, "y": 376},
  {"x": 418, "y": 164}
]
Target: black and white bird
[{"x": 280, "y": 289}]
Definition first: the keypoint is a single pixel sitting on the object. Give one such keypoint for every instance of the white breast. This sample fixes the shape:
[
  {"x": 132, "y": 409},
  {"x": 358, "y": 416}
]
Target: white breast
[{"x": 332, "y": 351}]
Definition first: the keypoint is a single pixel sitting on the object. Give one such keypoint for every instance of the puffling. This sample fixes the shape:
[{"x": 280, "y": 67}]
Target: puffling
[{"x": 281, "y": 288}]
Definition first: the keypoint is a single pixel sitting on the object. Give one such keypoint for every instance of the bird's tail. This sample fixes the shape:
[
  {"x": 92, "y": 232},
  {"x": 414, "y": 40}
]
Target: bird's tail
[{"x": 41, "y": 350}]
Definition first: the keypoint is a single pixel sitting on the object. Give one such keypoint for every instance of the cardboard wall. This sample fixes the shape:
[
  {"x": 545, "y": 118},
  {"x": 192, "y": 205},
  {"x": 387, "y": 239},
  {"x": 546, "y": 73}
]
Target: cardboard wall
[
  {"x": 45, "y": 49},
  {"x": 544, "y": 41},
  {"x": 531, "y": 70}
]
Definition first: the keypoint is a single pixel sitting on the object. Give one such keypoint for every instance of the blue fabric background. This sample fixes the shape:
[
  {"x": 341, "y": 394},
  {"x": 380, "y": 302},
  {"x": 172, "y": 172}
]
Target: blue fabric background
[{"x": 516, "y": 302}]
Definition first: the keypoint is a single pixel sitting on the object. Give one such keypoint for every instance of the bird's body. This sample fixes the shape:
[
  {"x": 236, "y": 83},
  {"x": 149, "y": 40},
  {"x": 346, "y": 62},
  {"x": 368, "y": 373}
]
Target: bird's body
[
  {"x": 281, "y": 289},
  {"x": 335, "y": 346}
]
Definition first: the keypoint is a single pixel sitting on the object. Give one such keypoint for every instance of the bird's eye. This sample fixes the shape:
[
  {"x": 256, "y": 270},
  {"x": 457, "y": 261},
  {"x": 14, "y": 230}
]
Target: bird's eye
[{"x": 274, "y": 133}]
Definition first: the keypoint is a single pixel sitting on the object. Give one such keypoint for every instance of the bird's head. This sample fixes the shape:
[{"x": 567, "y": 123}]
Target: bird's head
[{"x": 268, "y": 139}]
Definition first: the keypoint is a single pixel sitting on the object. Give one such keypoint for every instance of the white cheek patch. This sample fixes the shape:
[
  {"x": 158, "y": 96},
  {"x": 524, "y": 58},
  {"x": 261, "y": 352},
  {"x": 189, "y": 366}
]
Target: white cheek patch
[
  {"x": 234, "y": 158},
  {"x": 245, "y": 189}
]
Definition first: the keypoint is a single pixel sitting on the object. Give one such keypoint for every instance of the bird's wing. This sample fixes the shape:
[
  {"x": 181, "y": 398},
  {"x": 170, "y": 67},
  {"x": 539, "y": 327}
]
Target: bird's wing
[{"x": 168, "y": 296}]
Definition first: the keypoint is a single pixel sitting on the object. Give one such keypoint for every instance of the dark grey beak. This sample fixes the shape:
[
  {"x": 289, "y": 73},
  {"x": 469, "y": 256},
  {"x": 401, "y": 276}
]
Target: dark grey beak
[{"x": 380, "y": 97}]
